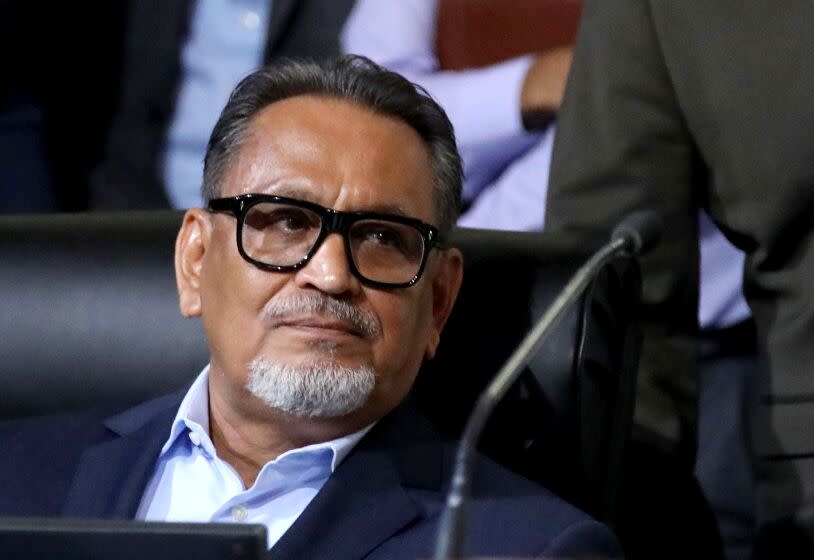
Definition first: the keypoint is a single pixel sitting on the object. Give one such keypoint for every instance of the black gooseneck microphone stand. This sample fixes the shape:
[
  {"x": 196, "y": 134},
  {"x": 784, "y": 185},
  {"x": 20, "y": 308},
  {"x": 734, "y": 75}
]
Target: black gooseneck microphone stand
[{"x": 634, "y": 235}]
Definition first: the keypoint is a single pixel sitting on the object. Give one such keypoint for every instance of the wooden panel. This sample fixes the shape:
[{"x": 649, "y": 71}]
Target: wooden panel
[{"x": 473, "y": 33}]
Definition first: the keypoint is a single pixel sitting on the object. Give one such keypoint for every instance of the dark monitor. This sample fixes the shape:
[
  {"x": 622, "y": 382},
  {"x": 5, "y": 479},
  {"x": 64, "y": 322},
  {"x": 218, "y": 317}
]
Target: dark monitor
[{"x": 80, "y": 539}]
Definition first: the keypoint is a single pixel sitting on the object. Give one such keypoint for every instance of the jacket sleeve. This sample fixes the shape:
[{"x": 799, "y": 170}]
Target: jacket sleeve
[{"x": 622, "y": 145}]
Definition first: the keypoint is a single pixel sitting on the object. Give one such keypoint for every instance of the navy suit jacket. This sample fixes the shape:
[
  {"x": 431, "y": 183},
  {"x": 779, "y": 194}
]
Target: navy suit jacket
[{"x": 383, "y": 501}]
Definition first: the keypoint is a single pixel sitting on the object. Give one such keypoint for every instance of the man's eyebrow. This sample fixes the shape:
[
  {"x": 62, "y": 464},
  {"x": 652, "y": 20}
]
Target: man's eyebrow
[{"x": 393, "y": 209}]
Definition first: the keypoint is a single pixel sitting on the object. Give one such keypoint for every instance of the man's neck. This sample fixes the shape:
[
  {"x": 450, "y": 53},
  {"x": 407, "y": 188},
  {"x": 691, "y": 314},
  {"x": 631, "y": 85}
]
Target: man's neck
[{"x": 248, "y": 437}]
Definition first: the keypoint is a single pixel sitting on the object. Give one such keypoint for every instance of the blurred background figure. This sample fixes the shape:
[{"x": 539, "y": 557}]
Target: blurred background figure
[
  {"x": 123, "y": 93},
  {"x": 499, "y": 70},
  {"x": 682, "y": 106},
  {"x": 59, "y": 83}
]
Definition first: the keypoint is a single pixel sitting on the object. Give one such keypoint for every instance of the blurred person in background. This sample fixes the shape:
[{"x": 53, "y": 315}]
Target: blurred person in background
[
  {"x": 681, "y": 106},
  {"x": 127, "y": 91},
  {"x": 502, "y": 112}
]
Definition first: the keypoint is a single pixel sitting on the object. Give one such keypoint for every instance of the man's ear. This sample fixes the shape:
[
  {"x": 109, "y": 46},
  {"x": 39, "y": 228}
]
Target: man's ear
[
  {"x": 190, "y": 248},
  {"x": 445, "y": 287}
]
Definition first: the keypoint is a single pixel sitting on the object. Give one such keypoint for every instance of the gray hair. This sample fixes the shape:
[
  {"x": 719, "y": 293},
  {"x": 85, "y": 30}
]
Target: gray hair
[
  {"x": 351, "y": 78},
  {"x": 322, "y": 389}
]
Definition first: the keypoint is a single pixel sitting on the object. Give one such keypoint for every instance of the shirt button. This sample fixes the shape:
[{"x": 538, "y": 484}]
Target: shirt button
[
  {"x": 195, "y": 439},
  {"x": 240, "y": 513}
]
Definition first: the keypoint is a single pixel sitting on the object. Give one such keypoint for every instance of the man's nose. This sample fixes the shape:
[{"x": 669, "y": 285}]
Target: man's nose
[{"x": 328, "y": 270}]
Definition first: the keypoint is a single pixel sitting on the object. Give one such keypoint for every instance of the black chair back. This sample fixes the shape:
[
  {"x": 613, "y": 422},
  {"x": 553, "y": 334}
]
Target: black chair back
[{"x": 89, "y": 316}]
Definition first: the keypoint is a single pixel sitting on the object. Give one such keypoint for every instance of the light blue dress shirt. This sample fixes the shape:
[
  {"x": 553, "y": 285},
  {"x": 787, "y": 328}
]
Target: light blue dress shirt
[
  {"x": 225, "y": 43},
  {"x": 191, "y": 483}
]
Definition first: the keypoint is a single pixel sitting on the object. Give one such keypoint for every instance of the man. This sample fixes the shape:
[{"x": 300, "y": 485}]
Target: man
[
  {"x": 688, "y": 105},
  {"x": 321, "y": 275}
]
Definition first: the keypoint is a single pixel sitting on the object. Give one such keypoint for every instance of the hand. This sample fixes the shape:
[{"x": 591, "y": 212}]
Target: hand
[{"x": 544, "y": 85}]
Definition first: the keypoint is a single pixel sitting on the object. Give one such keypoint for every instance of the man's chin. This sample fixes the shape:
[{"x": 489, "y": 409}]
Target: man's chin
[{"x": 313, "y": 388}]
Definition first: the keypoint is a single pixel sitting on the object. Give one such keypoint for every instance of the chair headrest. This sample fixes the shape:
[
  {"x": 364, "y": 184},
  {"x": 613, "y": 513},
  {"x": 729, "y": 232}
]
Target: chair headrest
[{"x": 89, "y": 312}]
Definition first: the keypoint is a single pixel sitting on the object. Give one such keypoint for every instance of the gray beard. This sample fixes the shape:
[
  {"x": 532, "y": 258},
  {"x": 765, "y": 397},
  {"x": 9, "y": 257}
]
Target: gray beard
[{"x": 317, "y": 390}]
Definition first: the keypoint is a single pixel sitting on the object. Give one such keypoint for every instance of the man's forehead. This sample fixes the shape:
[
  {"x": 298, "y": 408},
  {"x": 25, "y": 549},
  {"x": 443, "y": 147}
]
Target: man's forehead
[
  {"x": 327, "y": 115},
  {"x": 304, "y": 145}
]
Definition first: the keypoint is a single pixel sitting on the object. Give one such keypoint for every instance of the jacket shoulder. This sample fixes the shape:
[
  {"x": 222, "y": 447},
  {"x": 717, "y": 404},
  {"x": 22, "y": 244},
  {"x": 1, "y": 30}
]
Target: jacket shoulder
[
  {"x": 39, "y": 458},
  {"x": 40, "y": 455},
  {"x": 507, "y": 508},
  {"x": 533, "y": 513}
]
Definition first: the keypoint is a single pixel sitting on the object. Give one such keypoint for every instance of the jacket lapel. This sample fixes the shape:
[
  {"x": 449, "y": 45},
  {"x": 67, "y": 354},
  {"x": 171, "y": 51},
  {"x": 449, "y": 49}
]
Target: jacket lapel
[
  {"x": 366, "y": 500},
  {"x": 112, "y": 475}
]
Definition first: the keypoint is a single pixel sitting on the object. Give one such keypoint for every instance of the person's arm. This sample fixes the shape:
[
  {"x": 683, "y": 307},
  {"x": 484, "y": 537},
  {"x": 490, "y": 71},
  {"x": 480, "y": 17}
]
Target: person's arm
[
  {"x": 483, "y": 104},
  {"x": 622, "y": 145},
  {"x": 515, "y": 201}
]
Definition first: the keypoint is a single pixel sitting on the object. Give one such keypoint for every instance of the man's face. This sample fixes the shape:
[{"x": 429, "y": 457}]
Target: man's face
[{"x": 344, "y": 157}]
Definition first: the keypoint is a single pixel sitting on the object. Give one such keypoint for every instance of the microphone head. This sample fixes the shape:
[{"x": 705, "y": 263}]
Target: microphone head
[{"x": 640, "y": 230}]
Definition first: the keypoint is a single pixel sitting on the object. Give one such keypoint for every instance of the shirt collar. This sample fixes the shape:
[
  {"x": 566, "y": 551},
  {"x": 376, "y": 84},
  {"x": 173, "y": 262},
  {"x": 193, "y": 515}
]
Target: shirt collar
[{"x": 193, "y": 416}]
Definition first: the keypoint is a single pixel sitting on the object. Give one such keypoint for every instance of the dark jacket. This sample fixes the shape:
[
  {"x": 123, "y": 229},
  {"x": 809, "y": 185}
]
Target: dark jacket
[
  {"x": 686, "y": 105},
  {"x": 383, "y": 501}
]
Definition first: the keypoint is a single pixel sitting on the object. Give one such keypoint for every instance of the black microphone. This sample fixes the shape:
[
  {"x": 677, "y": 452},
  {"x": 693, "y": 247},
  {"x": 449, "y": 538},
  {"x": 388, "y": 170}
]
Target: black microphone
[{"x": 637, "y": 233}]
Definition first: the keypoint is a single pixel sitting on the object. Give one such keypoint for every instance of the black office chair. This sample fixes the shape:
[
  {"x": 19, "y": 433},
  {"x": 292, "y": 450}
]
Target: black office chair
[{"x": 89, "y": 316}]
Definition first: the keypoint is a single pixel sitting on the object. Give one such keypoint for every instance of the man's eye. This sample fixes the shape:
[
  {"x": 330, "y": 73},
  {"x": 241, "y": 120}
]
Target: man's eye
[
  {"x": 290, "y": 221},
  {"x": 384, "y": 237},
  {"x": 379, "y": 236},
  {"x": 281, "y": 220}
]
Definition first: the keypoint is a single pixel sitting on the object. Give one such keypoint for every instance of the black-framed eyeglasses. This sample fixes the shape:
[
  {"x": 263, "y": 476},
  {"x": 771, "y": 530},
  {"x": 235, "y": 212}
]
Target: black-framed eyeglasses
[{"x": 281, "y": 234}]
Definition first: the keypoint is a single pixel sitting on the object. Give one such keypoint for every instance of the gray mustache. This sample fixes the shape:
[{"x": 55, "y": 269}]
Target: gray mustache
[{"x": 318, "y": 304}]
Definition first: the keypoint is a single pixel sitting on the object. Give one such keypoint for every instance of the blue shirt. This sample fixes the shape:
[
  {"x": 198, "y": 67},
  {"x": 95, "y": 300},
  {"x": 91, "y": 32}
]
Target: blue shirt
[
  {"x": 225, "y": 43},
  {"x": 191, "y": 483}
]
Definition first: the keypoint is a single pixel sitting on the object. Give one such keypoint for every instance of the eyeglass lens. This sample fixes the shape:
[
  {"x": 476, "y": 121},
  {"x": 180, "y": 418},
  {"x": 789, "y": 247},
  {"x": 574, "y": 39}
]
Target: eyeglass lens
[{"x": 280, "y": 234}]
